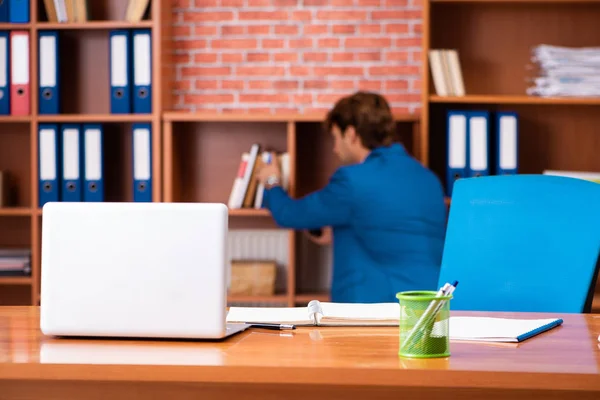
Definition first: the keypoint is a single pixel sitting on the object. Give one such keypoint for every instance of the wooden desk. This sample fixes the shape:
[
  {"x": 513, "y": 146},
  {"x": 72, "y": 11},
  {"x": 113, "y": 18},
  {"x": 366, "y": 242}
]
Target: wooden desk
[{"x": 309, "y": 363}]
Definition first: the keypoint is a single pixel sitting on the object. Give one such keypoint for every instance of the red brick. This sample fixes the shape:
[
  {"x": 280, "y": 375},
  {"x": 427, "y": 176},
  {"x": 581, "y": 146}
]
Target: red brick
[
  {"x": 203, "y": 30},
  {"x": 301, "y": 71},
  {"x": 329, "y": 42},
  {"x": 201, "y": 84},
  {"x": 285, "y": 85},
  {"x": 370, "y": 85},
  {"x": 181, "y": 30},
  {"x": 366, "y": 42},
  {"x": 203, "y": 71},
  {"x": 396, "y": 14},
  {"x": 232, "y": 84},
  {"x": 234, "y": 43},
  {"x": 300, "y": 43},
  {"x": 396, "y": 56},
  {"x": 285, "y": 3},
  {"x": 259, "y": 29},
  {"x": 254, "y": 85},
  {"x": 314, "y": 57},
  {"x": 316, "y": 29},
  {"x": 394, "y": 70},
  {"x": 301, "y": 15},
  {"x": 372, "y": 56},
  {"x": 343, "y": 85},
  {"x": 352, "y": 70},
  {"x": 273, "y": 44},
  {"x": 315, "y": 84},
  {"x": 395, "y": 85},
  {"x": 232, "y": 57},
  {"x": 330, "y": 97},
  {"x": 396, "y": 3},
  {"x": 344, "y": 29},
  {"x": 365, "y": 3},
  {"x": 206, "y": 3},
  {"x": 286, "y": 30},
  {"x": 396, "y": 28},
  {"x": 232, "y": 30},
  {"x": 371, "y": 28},
  {"x": 257, "y": 57},
  {"x": 302, "y": 98},
  {"x": 181, "y": 3},
  {"x": 182, "y": 85},
  {"x": 190, "y": 44},
  {"x": 408, "y": 42},
  {"x": 205, "y": 58},
  {"x": 341, "y": 57},
  {"x": 208, "y": 98},
  {"x": 264, "y": 98},
  {"x": 285, "y": 57},
  {"x": 230, "y": 3},
  {"x": 259, "y": 71},
  {"x": 258, "y": 3},
  {"x": 262, "y": 15},
  {"x": 342, "y": 15},
  {"x": 201, "y": 16}
]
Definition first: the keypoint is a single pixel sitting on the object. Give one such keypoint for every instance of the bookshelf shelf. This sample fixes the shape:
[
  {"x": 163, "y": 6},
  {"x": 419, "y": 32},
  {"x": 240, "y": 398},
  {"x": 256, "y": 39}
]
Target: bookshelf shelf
[
  {"x": 15, "y": 212},
  {"x": 93, "y": 25},
  {"x": 494, "y": 40},
  {"x": 99, "y": 118},
  {"x": 14, "y": 27},
  {"x": 11, "y": 119},
  {"x": 482, "y": 99},
  {"x": 15, "y": 280},
  {"x": 241, "y": 212}
]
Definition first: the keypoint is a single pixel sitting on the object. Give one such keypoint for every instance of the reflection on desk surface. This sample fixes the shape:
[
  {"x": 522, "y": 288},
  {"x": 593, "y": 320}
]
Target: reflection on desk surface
[{"x": 570, "y": 349}]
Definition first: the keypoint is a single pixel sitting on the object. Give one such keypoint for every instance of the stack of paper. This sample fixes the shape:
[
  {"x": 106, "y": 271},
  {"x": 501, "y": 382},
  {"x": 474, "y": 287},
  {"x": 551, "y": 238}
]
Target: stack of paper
[{"x": 566, "y": 71}]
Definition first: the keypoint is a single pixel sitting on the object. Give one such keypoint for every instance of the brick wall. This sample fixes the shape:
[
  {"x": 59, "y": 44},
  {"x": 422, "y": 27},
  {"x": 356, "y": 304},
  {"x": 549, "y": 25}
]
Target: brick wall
[{"x": 294, "y": 55}]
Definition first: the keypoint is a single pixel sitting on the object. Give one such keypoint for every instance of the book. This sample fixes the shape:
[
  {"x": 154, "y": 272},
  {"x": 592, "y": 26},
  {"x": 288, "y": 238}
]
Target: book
[
  {"x": 319, "y": 313},
  {"x": 492, "y": 329}
]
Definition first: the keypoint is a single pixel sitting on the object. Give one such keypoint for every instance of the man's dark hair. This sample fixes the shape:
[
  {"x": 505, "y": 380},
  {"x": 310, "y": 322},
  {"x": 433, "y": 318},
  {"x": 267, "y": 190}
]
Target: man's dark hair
[{"x": 370, "y": 115}]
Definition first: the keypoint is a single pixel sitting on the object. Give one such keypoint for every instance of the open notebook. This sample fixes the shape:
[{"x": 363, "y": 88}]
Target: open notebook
[
  {"x": 487, "y": 329},
  {"x": 481, "y": 329},
  {"x": 318, "y": 313}
]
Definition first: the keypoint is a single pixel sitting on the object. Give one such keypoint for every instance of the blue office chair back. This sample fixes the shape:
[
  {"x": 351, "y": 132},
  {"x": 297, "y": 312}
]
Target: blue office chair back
[{"x": 523, "y": 243}]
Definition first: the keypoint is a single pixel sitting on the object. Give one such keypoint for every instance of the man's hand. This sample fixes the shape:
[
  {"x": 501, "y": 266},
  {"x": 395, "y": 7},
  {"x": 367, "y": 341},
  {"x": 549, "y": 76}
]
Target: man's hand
[
  {"x": 269, "y": 170},
  {"x": 326, "y": 237}
]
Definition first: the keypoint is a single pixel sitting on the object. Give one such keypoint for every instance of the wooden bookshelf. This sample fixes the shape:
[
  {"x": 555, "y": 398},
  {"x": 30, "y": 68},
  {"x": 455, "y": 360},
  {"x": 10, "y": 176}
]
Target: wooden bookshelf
[
  {"x": 201, "y": 155},
  {"x": 84, "y": 97},
  {"x": 494, "y": 39}
]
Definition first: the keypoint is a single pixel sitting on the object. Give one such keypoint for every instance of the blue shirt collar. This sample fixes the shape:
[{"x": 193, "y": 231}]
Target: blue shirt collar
[{"x": 396, "y": 148}]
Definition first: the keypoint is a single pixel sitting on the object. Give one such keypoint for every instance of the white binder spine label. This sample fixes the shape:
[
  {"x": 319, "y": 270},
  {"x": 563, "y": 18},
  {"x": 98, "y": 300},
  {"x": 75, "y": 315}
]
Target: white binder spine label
[
  {"x": 141, "y": 154},
  {"x": 478, "y": 144},
  {"x": 48, "y": 61},
  {"x": 508, "y": 142},
  {"x": 141, "y": 49},
  {"x": 457, "y": 142},
  {"x": 3, "y": 62},
  {"x": 20, "y": 59},
  {"x": 71, "y": 154},
  {"x": 92, "y": 155},
  {"x": 47, "y": 154},
  {"x": 118, "y": 63}
]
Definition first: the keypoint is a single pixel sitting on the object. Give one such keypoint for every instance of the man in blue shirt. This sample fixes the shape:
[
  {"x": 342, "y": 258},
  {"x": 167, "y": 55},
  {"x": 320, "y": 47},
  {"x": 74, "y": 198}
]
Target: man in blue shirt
[{"x": 384, "y": 211}]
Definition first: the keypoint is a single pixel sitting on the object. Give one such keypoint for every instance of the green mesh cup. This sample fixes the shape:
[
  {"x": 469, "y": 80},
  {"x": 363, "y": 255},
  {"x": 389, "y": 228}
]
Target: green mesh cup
[{"x": 424, "y": 324}]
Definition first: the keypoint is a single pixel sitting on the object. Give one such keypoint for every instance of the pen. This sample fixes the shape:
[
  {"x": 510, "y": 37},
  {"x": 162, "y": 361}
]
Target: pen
[
  {"x": 430, "y": 313},
  {"x": 277, "y": 327}
]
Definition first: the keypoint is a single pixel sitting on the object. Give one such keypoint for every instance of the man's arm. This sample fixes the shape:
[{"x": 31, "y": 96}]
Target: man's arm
[{"x": 329, "y": 206}]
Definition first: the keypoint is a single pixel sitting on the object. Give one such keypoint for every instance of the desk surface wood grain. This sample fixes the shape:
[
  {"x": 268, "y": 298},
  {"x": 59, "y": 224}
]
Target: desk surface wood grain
[{"x": 566, "y": 358}]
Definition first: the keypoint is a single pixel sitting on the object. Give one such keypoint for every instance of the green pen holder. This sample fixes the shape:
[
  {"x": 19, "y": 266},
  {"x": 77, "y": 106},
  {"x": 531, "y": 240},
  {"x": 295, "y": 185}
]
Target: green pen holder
[{"x": 424, "y": 324}]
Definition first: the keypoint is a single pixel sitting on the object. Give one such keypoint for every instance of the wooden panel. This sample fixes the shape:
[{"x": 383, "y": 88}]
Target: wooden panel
[
  {"x": 550, "y": 137},
  {"x": 15, "y": 161},
  {"x": 15, "y": 232},
  {"x": 206, "y": 158},
  {"x": 15, "y": 294},
  {"x": 117, "y": 159},
  {"x": 494, "y": 40},
  {"x": 84, "y": 72},
  {"x": 98, "y": 10}
]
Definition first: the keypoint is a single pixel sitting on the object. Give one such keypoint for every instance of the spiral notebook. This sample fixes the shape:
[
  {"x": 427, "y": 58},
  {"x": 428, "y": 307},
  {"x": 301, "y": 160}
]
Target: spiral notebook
[{"x": 320, "y": 313}]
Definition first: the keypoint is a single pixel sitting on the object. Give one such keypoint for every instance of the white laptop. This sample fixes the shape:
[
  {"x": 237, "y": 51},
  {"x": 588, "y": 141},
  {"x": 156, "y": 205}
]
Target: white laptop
[{"x": 145, "y": 270}]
